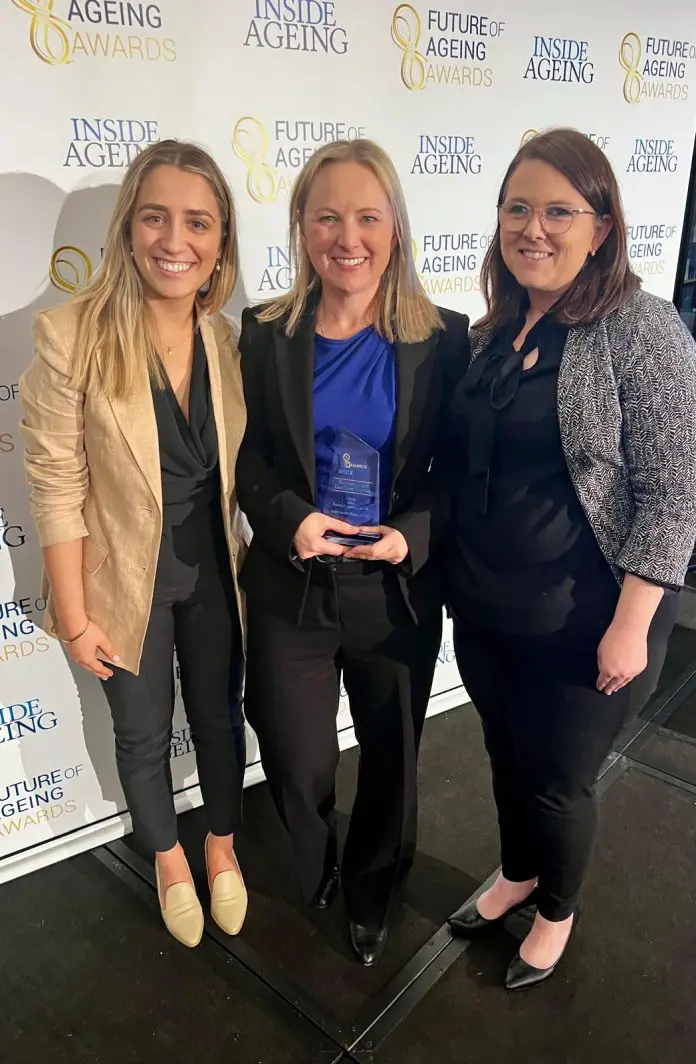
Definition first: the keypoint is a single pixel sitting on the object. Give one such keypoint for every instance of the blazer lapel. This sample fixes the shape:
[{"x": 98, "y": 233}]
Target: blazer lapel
[
  {"x": 212, "y": 354},
  {"x": 414, "y": 368},
  {"x": 136, "y": 419},
  {"x": 295, "y": 367}
]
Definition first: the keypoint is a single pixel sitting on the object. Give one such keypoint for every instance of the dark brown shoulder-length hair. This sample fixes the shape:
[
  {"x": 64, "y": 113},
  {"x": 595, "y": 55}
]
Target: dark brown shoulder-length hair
[{"x": 606, "y": 280}]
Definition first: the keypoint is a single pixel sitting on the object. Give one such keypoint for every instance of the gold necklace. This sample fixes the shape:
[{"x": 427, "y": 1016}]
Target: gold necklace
[
  {"x": 168, "y": 348},
  {"x": 173, "y": 347}
]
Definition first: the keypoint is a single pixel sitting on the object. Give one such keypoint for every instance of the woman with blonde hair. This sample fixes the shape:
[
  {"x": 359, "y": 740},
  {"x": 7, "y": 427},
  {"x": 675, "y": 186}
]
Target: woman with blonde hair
[
  {"x": 344, "y": 378},
  {"x": 133, "y": 414}
]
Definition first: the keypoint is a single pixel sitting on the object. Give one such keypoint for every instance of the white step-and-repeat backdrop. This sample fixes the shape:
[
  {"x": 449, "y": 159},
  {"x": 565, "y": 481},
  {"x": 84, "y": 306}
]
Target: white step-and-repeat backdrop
[{"x": 449, "y": 91}]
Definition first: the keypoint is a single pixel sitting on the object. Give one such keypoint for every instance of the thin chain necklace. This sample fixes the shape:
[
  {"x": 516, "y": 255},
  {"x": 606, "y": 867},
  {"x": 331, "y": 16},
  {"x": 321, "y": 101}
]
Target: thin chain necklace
[{"x": 168, "y": 348}]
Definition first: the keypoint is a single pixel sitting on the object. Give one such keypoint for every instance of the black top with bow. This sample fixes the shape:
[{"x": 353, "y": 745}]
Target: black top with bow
[{"x": 524, "y": 557}]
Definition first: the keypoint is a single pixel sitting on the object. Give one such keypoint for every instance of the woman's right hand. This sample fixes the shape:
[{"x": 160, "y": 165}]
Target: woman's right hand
[
  {"x": 85, "y": 649},
  {"x": 309, "y": 539}
]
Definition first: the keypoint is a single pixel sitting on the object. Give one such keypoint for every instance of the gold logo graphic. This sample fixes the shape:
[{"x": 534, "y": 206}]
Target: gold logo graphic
[
  {"x": 47, "y": 31},
  {"x": 406, "y": 35},
  {"x": 630, "y": 54},
  {"x": 529, "y": 134},
  {"x": 70, "y": 269},
  {"x": 250, "y": 144}
]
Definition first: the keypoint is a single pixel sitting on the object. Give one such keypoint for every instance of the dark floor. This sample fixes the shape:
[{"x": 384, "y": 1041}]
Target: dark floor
[{"x": 90, "y": 974}]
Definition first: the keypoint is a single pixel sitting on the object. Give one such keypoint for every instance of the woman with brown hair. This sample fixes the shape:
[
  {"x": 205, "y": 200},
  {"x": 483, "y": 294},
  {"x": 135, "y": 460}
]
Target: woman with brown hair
[
  {"x": 133, "y": 414},
  {"x": 572, "y": 480},
  {"x": 354, "y": 352}
]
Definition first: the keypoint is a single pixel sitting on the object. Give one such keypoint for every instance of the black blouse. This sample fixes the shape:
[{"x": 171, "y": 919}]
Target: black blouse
[
  {"x": 189, "y": 458},
  {"x": 524, "y": 557}
]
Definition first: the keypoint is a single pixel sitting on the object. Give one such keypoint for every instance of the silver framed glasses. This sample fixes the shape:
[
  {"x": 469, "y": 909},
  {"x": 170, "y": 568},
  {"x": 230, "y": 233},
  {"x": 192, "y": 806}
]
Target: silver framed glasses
[{"x": 514, "y": 217}]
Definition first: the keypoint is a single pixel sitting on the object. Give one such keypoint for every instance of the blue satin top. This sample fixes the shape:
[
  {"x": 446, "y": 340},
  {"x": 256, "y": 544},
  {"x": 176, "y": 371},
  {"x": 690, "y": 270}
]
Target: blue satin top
[{"x": 354, "y": 389}]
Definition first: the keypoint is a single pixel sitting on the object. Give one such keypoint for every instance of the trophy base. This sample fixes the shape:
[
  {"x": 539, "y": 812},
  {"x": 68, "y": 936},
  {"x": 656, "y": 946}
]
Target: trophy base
[{"x": 360, "y": 539}]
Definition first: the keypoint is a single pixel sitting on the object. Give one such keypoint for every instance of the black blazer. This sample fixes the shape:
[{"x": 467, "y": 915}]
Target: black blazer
[{"x": 275, "y": 474}]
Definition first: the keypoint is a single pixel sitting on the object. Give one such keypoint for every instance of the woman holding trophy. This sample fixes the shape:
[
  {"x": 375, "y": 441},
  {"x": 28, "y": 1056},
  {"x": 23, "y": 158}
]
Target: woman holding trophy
[{"x": 345, "y": 377}]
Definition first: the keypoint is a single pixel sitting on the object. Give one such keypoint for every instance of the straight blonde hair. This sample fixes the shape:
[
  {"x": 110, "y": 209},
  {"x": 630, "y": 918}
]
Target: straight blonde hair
[
  {"x": 402, "y": 309},
  {"x": 111, "y": 319}
]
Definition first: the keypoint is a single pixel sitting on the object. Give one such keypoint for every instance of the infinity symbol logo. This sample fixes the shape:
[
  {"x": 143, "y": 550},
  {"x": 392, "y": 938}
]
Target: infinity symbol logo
[
  {"x": 630, "y": 53},
  {"x": 47, "y": 32},
  {"x": 406, "y": 35},
  {"x": 529, "y": 134},
  {"x": 70, "y": 269},
  {"x": 250, "y": 144}
]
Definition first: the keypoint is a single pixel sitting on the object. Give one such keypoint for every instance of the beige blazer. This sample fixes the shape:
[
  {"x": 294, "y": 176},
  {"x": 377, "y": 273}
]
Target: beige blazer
[{"x": 93, "y": 468}]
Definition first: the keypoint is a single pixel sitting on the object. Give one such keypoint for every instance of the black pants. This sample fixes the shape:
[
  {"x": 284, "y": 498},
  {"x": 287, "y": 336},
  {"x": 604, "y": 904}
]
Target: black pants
[
  {"x": 194, "y": 611},
  {"x": 547, "y": 732},
  {"x": 291, "y": 701}
]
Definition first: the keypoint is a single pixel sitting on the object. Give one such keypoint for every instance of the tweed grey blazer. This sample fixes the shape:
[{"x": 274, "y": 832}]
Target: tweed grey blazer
[{"x": 627, "y": 415}]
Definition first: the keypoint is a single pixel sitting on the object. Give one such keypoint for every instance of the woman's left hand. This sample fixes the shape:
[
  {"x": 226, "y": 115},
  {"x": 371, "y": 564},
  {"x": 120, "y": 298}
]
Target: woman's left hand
[
  {"x": 622, "y": 655},
  {"x": 390, "y": 547}
]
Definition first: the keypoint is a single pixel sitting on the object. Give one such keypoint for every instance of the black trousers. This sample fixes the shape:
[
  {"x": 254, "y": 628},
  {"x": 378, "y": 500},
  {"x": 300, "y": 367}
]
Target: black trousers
[
  {"x": 291, "y": 701},
  {"x": 547, "y": 731},
  {"x": 194, "y": 610}
]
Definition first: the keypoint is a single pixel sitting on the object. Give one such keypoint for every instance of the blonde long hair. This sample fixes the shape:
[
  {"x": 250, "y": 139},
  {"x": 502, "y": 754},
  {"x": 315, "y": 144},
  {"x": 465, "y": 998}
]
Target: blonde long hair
[
  {"x": 402, "y": 308},
  {"x": 110, "y": 310}
]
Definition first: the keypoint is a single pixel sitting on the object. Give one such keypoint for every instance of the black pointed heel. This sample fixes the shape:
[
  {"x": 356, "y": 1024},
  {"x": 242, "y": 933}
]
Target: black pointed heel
[
  {"x": 523, "y": 976},
  {"x": 468, "y": 920}
]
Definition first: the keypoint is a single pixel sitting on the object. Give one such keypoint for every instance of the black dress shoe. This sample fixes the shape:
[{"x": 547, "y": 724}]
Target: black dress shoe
[
  {"x": 468, "y": 920},
  {"x": 329, "y": 889},
  {"x": 368, "y": 943},
  {"x": 522, "y": 976}
]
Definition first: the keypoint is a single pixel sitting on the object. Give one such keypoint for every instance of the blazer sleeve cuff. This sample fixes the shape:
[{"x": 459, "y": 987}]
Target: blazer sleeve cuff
[{"x": 414, "y": 526}]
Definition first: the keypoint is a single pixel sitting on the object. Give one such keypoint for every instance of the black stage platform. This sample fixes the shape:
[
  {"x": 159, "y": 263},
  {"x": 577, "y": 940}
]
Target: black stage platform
[{"x": 91, "y": 975}]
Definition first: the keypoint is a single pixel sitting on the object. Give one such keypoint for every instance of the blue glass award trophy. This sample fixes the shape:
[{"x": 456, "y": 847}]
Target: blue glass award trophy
[{"x": 353, "y": 490}]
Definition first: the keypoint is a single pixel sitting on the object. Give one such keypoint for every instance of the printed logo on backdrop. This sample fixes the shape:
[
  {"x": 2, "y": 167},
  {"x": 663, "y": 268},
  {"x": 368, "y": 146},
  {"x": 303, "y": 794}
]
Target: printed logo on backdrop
[
  {"x": 8, "y": 392},
  {"x": 656, "y": 68},
  {"x": 276, "y": 275},
  {"x": 648, "y": 245},
  {"x": 108, "y": 142},
  {"x": 7, "y": 443},
  {"x": 602, "y": 140},
  {"x": 560, "y": 59},
  {"x": 448, "y": 154},
  {"x": 273, "y": 162},
  {"x": 28, "y": 803},
  {"x": 444, "y": 47},
  {"x": 653, "y": 155},
  {"x": 20, "y": 636},
  {"x": 21, "y": 720},
  {"x": 297, "y": 26},
  {"x": 450, "y": 263},
  {"x": 70, "y": 269},
  {"x": 63, "y": 31},
  {"x": 12, "y": 535}
]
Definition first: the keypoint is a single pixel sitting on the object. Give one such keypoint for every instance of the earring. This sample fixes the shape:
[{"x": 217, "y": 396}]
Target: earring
[
  {"x": 131, "y": 252},
  {"x": 217, "y": 266}
]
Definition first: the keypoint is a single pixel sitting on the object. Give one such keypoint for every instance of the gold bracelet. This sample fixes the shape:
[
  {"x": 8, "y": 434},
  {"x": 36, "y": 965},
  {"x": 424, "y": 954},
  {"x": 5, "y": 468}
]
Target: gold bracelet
[{"x": 78, "y": 636}]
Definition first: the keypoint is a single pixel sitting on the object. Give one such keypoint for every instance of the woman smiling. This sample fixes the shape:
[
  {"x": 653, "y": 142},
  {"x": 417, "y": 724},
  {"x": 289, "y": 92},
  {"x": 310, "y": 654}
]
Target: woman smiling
[
  {"x": 572, "y": 479},
  {"x": 133, "y": 413},
  {"x": 355, "y": 351}
]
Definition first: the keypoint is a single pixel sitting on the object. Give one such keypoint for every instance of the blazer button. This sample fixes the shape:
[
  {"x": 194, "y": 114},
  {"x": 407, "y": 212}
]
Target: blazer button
[{"x": 395, "y": 496}]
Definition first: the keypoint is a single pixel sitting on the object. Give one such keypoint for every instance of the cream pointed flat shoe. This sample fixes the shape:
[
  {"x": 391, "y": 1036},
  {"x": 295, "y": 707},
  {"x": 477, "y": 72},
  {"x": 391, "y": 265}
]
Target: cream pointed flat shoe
[
  {"x": 181, "y": 912},
  {"x": 228, "y": 897}
]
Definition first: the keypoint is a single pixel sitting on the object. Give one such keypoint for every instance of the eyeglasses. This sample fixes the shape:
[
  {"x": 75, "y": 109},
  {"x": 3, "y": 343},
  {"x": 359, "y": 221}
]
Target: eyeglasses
[{"x": 514, "y": 217}]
